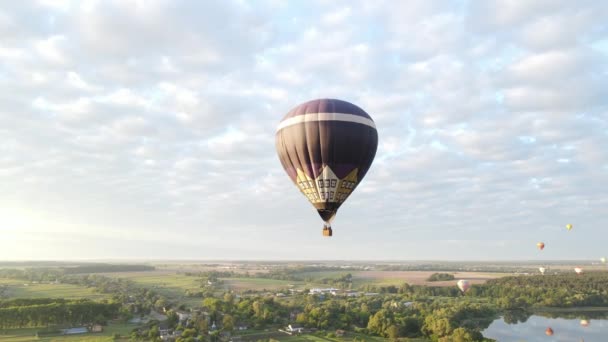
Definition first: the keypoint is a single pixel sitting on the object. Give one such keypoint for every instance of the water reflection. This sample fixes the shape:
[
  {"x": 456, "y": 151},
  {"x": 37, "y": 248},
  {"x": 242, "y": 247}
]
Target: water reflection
[{"x": 518, "y": 326}]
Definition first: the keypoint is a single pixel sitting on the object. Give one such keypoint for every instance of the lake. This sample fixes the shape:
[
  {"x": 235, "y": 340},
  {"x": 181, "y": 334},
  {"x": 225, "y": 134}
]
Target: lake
[{"x": 532, "y": 329}]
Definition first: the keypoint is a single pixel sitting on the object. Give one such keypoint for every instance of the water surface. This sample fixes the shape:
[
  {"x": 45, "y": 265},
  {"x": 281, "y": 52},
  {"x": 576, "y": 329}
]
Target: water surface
[{"x": 533, "y": 329}]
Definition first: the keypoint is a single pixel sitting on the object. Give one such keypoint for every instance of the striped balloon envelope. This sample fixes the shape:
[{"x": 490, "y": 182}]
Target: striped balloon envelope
[{"x": 326, "y": 146}]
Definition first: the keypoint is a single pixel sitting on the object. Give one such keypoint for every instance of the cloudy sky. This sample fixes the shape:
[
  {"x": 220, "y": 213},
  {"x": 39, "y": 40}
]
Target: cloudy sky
[{"x": 145, "y": 129}]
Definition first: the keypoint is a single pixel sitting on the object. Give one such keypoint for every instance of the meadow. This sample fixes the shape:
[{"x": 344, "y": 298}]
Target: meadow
[
  {"x": 397, "y": 278},
  {"x": 22, "y": 289}
]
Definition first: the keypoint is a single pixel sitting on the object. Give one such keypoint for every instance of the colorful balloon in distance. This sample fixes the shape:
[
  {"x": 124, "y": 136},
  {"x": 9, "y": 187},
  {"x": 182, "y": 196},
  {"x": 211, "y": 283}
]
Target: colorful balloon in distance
[
  {"x": 463, "y": 285},
  {"x": 540, "y": 245},
  {"x": 326, "y": 146},
  {"x": 578, "y": 270},
  {"x": 569, "y": 226},
  {"x": 584, "y": 323},
  {"x": 542, "y": 270},
  {"x": 549, "y": 332}
]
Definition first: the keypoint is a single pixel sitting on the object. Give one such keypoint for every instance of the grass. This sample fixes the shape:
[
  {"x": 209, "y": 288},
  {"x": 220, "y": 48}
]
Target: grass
[
  {"x": 29, "y": 334},
  {"x": 168, "y": 284},
  {"x": 18, "y": 289},
  {"x": 350, "y": 336},
  {"x": 240, "y": 284},
  {"x": 397, "y": 278}
]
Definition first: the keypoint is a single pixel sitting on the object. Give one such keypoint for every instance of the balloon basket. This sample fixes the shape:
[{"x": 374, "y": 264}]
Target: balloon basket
[{"x": 327, "y": 231}]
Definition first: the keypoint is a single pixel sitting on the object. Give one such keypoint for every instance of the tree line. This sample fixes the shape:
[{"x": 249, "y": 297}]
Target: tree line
[{"x": 45, "y": 312}]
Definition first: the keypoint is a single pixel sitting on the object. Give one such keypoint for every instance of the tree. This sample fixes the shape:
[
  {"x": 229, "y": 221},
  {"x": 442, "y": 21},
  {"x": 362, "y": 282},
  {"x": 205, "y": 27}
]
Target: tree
[
  {"x": 160, "y": 304},
  {"x": 172, "y": 319},
  {"x": 154, "y": 333},
  {"x": 212, "y": 304},
  {"x": 464, "y": 335},
  {"x": 228, "y": 323},
  {"x": 392, "y": 332}
]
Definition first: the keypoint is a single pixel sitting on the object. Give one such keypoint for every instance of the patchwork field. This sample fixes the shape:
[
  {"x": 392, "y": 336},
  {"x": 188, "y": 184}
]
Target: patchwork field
[
  {"x": 21, "y": 289},
  {"x": 386, "y": 278},
  {"x": 418, "y": 277},
  {"x": 241, "y": 284}
]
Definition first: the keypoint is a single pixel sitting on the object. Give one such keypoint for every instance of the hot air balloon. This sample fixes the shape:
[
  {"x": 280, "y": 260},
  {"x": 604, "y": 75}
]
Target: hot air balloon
[
  {"x": 326, "y": 146},
  {"x": 584, "y": 323},
  {"x": 569, "y": 226},
  {"x": 549, "y": 332},
  {"x": 578, "y": 270},
  {"x": 463, "y": 285},
  {"x": 542, "y": 270},
  {"x": 540, "y": 245},
  {"x": 603, "y": 260}
]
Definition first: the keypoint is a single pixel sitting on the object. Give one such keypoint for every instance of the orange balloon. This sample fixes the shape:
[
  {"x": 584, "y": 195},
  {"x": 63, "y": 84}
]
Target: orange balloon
[
  {"x": 540, "y": 245},
  {"x": 549, "y": 332}
]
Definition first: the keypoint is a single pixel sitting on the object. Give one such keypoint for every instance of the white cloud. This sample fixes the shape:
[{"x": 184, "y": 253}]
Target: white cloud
[{"x": 159, "y": 118}]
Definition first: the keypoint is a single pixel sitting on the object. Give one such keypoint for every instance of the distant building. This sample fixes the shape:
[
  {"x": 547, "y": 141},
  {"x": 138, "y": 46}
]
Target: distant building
[
  {"x": 295, "y": 328},
  {"x": 322, "y": 291},
  {"x": 340, "y": 332},
  {"x": 96, "y": 328},
  {"x": 183, "y": 316}
]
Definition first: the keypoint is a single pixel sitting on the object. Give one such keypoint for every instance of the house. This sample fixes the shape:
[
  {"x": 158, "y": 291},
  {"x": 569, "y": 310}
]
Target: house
[
  {"x": 241, "y": 326},
  {"x": 340, "y": 333},
  {"x": 96, "y": 328},
  {"x": 321, "y": 291},
  {"x": 163, "y": 329},
  {"x": 295, "y": 328},
  {"x": 183, "y": 316}
]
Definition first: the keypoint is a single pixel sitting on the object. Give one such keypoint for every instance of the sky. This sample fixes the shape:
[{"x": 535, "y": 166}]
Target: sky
[{"x": 145, "y": 129}]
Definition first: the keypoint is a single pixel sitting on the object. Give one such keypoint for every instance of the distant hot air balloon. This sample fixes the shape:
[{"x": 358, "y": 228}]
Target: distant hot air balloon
[
  {"x": 584, "y": 323},
  {"x": 540, "y": 245},
  {"x": 569, "y": 226},
  {"x": 549, "y": 332},
  {"x": 578, "y": 270},
  {"x": 326, "y": 146},
  {"x": 542, "y": 270},
  {"x": 463, "y": 285},
  {"x": 603, "y": 260}
]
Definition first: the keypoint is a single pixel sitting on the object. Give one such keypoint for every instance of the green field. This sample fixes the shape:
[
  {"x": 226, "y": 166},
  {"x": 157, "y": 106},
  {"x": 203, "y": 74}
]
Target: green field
[
  {"x": 29, "y": 334},
  {"x": 317, "y": 338},
  {"x": 241, "y": 284},
  {"x": 170, "y": 285},
  {"x": 22, "y": 289}
]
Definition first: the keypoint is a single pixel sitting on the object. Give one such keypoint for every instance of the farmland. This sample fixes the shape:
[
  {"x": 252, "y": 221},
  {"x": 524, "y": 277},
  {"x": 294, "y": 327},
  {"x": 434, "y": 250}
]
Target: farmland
[
  {"x": 21, "y": 289},
  {"x": 257, "y": 295},
  {"x": 385, "y": 278}
]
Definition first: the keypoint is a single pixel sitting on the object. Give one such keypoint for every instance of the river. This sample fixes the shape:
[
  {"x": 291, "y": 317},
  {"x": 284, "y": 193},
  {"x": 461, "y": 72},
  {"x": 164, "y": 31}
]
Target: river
[{"x": 566, "y": 327}]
